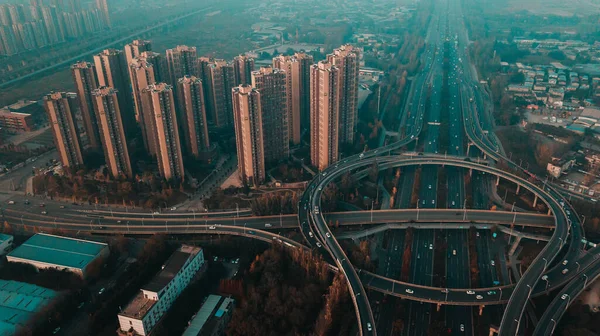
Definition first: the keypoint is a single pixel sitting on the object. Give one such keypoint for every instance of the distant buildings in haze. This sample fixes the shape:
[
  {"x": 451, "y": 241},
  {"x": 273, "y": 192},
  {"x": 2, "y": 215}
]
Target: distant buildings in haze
[{"x": 30, "y": 27}]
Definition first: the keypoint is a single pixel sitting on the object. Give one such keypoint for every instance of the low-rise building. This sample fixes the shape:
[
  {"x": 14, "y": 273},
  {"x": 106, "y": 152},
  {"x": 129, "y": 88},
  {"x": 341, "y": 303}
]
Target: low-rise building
[
  {"x": 559, "y": 166},
  {"x": 19, "y": 304},
  {"x": 50, "y": 251},
  {"x": 15, "y": 122},
  {"x": 148, "y": 307},
  {"x": 212, "y": 318},
  {"x": 6, "y": 242}
]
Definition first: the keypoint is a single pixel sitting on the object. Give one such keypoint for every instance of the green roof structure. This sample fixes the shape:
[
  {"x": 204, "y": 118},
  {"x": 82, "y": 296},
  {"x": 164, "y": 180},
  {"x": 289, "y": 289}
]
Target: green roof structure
[
  {"x": 19, "y": 301},
  {"x": 57, "y": 251}
]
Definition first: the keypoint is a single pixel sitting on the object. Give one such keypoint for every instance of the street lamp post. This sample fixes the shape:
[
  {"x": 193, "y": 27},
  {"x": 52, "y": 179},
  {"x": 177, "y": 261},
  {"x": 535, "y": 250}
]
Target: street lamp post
[
  {"x": 418, "y": 201},
  {"x": 553, "y": 326},
  {"x": 561, "y": 242},
  {"x": 586, "y": 279},
  {"x": 465, "y": 210},
  {"x": 372, "y": 205}
]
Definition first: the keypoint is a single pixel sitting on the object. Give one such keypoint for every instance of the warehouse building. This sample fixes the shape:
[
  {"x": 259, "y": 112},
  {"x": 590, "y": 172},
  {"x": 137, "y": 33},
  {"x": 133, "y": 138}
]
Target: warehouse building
[
  {"x": 212, "y": 318},
  {"x": 148, "y": 307},
  {"x": 49, "y": 251}
]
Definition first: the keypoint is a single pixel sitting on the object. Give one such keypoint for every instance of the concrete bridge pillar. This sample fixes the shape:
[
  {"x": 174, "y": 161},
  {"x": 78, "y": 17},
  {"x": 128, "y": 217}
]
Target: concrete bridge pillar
[
  {"x": 549, "y": 212},
  {"x": 518, "y": 188},
  {"x": 481, "y": 310},
  {"x": 484, "y": 156},
  {"x": 514, "y": 246},
  {"x": 438, "y": 306},
  {"x": 535, "y": 201},
  {"x": 497, "y": 180},
  {"x": 493, "y": 331},
  {"x": 468, "y": 148},
  {"x": 470, "y": 172}
]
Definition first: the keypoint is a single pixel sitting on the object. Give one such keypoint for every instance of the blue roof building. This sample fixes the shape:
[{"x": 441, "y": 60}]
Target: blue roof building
[
  {"x": 49, "y": 251},
  {"x": 19, "y": 302}
]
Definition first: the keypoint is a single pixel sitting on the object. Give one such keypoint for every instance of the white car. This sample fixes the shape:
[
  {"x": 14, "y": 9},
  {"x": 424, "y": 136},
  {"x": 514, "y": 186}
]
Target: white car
[
  {"x": 369, "y": 327},
  {"x": 565, "y": 262},
  {"x": 319, "y": 244},
  {"x": 493, "y": 263},
  {"x": 212, "y": 227},
  {"x": 11, "y": 202},
  {"x": 311, "y": 234},
  {"x": 431, "y": 246},
  {"x": 565, "y": 271},
  {"x": 564, "y": 296},
  {"x": 545, "y": 277},
  {"x": 432, "y": 201},
  {"x": 173, "y": 208},
  {"x": 462, "y": 327},
  {"x": 409, "y": 291},
  {"x": 470, "y": 292},
  {"x": 430, "y": 186},
  {"x": 479, "y": 297},
  {"x": 327, "y": 235},
  {"x": 453, "y": 252}
]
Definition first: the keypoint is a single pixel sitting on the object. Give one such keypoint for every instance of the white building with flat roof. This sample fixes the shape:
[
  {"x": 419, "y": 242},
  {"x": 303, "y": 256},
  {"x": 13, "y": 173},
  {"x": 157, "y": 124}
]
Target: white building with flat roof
[{"x": 148, "y": 307}]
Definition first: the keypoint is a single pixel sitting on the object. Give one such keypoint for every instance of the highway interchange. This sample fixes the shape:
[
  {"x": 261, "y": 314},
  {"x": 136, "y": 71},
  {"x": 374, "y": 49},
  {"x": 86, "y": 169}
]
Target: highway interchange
[{"x": 469, "y": 126}]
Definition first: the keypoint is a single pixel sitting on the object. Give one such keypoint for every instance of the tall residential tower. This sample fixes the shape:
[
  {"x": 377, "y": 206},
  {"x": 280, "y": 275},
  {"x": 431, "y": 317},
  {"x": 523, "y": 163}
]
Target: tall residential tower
[
  {"x": 182, "y": 61},
  {"x": 220, "y": 80},
  {"x": 192, "y": 110},
  {"x": 161, "y": 107},
  {"x": 111, "y": 68},
  {"x": 271, "y": 84},
  {"x": 84, "y": 76},
  {"x": 324, "y": 114},
  {"x": 61, "y": 108},
  {"x": 297, "y": 68},
  {"x": 249, "y": 134},
  {"x": 112, "y": 131},
  {"x": 135, "y": 48},
  {"x": 243, "y": 67},
  {"x": 347, "y": 60}
]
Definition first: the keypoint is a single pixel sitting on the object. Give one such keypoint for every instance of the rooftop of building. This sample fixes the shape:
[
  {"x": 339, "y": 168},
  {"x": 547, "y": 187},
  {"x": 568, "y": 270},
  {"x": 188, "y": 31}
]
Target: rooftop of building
[
  {"x": 591, "y": 112},
  {"x": 213, "y": 308},
  {"x": 8, "y": 113},
  {"x": 21, "y": 104},
  {"x": 19, "y": 301},
  {"x": 57, "y": 250},
  {"x": 4, "y": 237},
  {"x": 171, "y": 268},
  {"x": 138, "y": 307}
]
